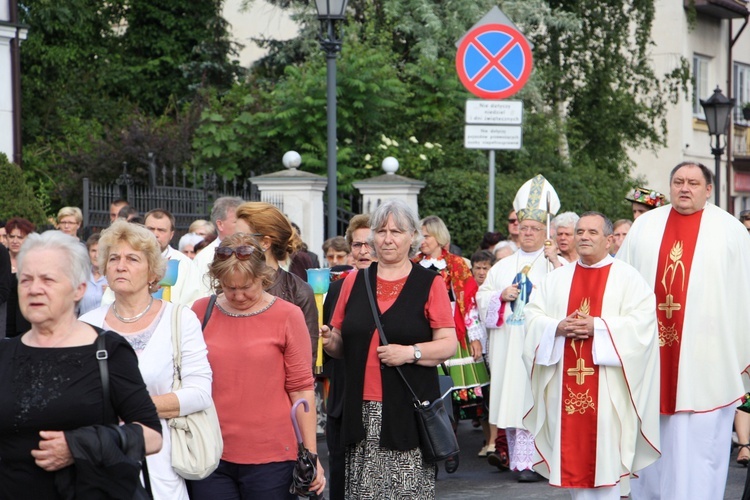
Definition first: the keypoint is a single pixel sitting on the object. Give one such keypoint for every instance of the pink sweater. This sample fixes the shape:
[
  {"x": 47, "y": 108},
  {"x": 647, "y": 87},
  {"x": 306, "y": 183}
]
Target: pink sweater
[{"x": 256, "y": 361}]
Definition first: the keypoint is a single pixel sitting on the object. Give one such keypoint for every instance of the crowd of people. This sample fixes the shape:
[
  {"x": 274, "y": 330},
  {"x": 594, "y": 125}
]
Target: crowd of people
[{"x": 607, "y": 359}]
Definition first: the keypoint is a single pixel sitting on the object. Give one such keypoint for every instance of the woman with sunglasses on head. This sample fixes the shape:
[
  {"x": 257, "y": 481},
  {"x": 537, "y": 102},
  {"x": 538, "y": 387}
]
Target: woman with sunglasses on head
[
  {"x": 17, "y": 229},
  {"x": 130, "y": 257},
  {"x": 259, "y": 348},
  {"x": 279, "y": 240}
]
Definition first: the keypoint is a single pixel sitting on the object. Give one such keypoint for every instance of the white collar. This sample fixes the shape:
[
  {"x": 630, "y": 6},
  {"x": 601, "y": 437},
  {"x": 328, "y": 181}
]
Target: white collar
[
  {"x": 429, "y": 262},
  {"x": 604, "y": 262}
]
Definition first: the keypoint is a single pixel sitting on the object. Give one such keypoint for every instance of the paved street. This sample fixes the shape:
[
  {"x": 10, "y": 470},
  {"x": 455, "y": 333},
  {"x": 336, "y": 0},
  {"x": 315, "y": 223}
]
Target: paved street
[{"x": 475, "y": 479}]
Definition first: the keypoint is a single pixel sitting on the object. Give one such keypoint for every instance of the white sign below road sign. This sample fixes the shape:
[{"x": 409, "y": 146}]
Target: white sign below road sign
[
  {"x": 492, "y": 137},
  {"x": 484, "y": 112}
]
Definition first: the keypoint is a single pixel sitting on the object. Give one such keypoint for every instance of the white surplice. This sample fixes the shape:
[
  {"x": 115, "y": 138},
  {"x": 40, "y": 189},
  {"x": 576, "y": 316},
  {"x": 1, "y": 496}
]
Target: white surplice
[
  {"x": 626, "y": 350},
  {"x": 715, "y": 345}
]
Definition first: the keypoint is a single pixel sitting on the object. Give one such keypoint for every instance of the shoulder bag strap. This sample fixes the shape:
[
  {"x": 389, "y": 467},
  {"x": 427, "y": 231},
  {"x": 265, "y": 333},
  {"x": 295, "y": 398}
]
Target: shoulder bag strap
[
  {"x": 109, "y": 412},
  {"x": 208, "y": 312},
  {"x": 102, "y": 355},
  {"x": 379, "y": 327},
  {"x": 176, "y": 346}
]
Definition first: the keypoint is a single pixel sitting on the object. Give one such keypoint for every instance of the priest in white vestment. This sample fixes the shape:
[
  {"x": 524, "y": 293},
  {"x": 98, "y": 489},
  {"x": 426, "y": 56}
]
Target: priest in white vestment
[
  {"x": 695, "y": 256},
  {"x": 592, "y": 353},
  {"x": 502, "y": 297}
]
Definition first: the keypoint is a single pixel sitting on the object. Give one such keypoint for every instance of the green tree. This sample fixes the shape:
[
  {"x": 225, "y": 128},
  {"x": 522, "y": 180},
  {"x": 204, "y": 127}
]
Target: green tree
[{"x": 16, "y": 197}]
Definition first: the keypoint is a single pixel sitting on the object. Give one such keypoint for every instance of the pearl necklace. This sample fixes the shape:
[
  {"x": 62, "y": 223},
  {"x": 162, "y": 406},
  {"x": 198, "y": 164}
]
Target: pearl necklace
[{"x": 134, "y": 318}]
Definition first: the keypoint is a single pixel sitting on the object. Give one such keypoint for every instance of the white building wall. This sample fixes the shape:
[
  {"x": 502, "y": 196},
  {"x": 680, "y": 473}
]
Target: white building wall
[
  {"x": 687, "y": 135},
  {"x": 261, "y": 20}
]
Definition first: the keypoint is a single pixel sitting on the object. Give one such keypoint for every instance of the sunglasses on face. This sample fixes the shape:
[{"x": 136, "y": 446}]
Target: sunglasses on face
[{"x": 242, "y": 253}]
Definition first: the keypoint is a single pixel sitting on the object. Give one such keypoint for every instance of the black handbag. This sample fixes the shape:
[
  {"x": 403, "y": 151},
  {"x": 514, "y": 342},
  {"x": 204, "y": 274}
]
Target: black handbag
[{"x": 436, "y": 437}]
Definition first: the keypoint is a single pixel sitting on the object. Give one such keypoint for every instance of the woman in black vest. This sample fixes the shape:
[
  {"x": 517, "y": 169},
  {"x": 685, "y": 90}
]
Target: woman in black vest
[{"x": 379, "y": 427}]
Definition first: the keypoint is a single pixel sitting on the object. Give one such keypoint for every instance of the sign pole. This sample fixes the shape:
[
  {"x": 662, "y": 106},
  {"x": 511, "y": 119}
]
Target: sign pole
[{"x": 491, "y": 196}]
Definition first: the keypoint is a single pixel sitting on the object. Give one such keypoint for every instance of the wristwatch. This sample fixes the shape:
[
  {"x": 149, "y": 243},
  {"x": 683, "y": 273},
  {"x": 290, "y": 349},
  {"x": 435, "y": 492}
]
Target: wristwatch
[{"x": 417, "y": 353}]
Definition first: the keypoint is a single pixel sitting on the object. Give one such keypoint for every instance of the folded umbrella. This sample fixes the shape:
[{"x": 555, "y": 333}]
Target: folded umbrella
[{"x": 305, "y": 468}]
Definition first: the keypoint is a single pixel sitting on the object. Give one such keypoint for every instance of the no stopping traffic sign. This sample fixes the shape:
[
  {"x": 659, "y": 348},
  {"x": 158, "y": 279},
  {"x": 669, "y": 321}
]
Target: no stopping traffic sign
[{"x": 494, "y": 61}]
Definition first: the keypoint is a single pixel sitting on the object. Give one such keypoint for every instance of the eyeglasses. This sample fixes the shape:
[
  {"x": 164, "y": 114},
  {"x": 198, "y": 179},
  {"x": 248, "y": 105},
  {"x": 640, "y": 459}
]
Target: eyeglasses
[
  {"x": 67, "y": 223},
  {"x": 745, "y": 215},
  {"x": 359, "y": 245},
  {"x": 242, "y": 253},
  {"x": 512, "y": 221},
  {"x": 530, "y": 229}
]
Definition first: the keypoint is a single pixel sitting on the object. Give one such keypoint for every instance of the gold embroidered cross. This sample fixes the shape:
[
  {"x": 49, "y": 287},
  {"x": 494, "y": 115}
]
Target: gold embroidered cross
[
  {"x": 669, "y": 306},
  {"x": 580, "y": 371}
]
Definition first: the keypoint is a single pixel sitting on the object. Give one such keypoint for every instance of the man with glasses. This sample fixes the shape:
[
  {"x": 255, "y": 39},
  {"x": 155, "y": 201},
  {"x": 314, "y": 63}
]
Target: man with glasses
[{"x": 501, "y": 300}]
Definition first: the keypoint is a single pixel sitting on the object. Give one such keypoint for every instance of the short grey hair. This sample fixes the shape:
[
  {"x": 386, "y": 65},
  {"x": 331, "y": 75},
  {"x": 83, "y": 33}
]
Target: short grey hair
[
  {"x": 223, "y": 205},
  {"x": 608, "y": 229},
  {"x": 565, "y": 219},
  {"x": 189, "y": 239},
  {"x": 404, "y": 217},
  {"x": 78, "y": 265}
]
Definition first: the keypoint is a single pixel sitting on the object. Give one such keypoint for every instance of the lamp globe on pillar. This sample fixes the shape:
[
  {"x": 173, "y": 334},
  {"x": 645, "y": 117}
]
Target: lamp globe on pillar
[
  {"x": 717, "y": 109},
  {"x": 331, "y": 12}
]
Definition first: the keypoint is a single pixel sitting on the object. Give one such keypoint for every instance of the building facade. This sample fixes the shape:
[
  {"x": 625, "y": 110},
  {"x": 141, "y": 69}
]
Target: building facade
[
  {"x": 711, "y": 36},
  {"x": 11, "y": 35}
]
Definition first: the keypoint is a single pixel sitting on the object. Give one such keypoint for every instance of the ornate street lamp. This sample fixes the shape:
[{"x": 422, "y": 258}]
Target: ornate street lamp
[
  {"x": 331, "y": 13},
  {"x": 718, "y": 109}
]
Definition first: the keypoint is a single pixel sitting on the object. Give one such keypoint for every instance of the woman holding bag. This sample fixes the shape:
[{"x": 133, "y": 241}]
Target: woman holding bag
[
  {"x": 379, "y": 426},
  {"x": 131, "y": 259},
  {"x": 260, "y": 349}
]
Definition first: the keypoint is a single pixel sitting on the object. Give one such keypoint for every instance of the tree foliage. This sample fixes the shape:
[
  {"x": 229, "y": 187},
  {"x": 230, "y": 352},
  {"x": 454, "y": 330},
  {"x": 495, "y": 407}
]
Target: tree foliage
[{"x": 16, "y": 197}]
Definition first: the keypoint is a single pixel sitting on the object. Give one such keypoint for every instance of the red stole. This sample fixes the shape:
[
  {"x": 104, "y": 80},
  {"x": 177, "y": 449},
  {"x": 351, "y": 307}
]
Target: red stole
[
  {"x": 580, "y": 385},
  {"x": 672, "y": 275}
]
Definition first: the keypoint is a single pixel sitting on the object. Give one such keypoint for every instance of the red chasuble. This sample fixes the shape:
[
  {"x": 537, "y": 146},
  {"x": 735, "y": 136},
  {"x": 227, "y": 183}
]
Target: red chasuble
[
  {"x": 672, "y": 275},
  {"x": 580, "y": 385}
]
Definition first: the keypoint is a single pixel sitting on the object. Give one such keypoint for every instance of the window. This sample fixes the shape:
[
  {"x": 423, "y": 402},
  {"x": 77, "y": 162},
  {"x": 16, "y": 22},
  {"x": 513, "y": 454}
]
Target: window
[
  {"x": 741, "y": 92},
  {"x": 700, "y": 83}
]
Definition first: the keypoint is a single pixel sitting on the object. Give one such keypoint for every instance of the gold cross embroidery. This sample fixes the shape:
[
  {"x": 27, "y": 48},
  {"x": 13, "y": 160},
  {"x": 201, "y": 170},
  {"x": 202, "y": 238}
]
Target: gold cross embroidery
[
  {"x": 580, "y": 371},
  {"x": 670, "y": 306}
]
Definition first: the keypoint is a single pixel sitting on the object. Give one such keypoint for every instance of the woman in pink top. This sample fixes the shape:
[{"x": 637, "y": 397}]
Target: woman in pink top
[{"x": 260, "y": 349}]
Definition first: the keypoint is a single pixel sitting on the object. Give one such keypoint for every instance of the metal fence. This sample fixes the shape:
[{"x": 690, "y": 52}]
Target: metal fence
[{"x": 186, "y": 195}]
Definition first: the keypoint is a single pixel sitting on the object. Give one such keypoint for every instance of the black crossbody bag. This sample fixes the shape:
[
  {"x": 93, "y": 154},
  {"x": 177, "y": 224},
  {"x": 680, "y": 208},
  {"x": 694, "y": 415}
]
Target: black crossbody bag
[{"x": 436, "y": 437}]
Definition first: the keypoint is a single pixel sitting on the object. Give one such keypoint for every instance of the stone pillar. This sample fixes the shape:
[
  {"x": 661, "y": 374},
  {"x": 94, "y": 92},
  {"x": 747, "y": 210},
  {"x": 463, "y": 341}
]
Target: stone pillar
[
  {"x": 390, "y": 185},
  {"x": 299, "y": 195}
]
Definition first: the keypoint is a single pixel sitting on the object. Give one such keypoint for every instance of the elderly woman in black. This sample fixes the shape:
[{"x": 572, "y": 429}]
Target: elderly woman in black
[
  {"x": 51, "y": 379},
  {"x": 379, "y": 426}
]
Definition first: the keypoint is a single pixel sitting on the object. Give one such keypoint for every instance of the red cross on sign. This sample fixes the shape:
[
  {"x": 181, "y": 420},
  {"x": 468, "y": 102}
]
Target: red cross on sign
[{"x": 494, "y": 61}]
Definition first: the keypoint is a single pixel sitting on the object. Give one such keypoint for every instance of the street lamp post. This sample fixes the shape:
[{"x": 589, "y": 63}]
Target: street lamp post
[
  {"x": 329, "y": 13},
  {"x": 717, "y": 109}
]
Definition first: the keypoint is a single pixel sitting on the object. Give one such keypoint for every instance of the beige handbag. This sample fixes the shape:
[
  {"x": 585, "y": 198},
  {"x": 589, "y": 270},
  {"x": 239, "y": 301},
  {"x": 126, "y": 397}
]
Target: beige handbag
[{"x": 196, "y": 438}]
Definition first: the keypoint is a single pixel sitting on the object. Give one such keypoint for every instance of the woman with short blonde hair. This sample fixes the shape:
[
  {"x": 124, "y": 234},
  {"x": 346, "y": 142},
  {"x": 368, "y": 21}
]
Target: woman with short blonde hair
[{"x": 130, "y": 258}]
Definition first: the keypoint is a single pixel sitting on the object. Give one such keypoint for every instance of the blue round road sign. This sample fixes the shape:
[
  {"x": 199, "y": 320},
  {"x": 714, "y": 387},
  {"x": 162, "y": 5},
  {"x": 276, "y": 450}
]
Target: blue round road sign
[{"x": 494, "y": 61}]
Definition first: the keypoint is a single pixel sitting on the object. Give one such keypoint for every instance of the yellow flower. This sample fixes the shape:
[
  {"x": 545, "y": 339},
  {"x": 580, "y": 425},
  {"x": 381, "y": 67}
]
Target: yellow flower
[
  {"x": 368, "y": 157},
  {"x": 414, "y": 140},
  {"x": 428, "y": 145},
  {"x": 423, "y": 157}
]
